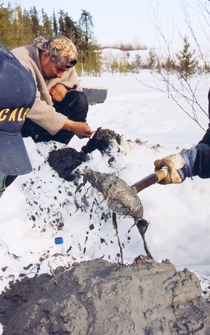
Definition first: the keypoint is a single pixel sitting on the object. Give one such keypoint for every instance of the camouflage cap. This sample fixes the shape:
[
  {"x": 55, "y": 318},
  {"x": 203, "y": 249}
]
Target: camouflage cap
[{"x": 60, "y": 49}]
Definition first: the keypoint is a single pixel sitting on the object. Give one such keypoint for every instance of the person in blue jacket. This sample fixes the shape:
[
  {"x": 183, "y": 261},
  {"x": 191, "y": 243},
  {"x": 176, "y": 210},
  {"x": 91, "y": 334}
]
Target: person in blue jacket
[{"x": 17, "y": 95}]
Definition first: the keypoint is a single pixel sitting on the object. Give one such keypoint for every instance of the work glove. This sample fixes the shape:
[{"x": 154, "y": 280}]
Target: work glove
[
  {"x": 187, "y": 163},
  {"x": 179, "y": 165},
  {"x": 176, "y": 166}
]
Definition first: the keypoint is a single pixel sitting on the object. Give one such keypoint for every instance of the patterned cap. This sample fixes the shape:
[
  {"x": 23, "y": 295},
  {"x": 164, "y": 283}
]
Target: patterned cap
[{"x": 60, "y": 49}]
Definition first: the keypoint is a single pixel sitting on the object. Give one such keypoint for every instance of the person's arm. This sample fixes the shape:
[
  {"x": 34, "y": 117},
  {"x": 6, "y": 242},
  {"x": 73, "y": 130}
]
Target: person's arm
[
  {"x": 80, "y": 129},
  {"x": 58, "y": 92},
  {"x": 59, "y": 87},
  {"x": 45, "y": 115},
  {"x": 187, "y": 163},
  {"x": 179, "y": 166},
  {"x": 69, "y": 79},
  {"x": 201, "y": 166}
]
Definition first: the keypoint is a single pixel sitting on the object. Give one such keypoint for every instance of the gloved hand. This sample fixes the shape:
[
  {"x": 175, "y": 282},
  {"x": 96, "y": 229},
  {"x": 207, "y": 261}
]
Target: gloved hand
[{"x": 176, "y": 168}]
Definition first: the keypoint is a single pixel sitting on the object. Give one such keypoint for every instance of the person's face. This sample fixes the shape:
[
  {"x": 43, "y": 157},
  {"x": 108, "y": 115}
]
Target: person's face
[{"x": 49, "y": 68}]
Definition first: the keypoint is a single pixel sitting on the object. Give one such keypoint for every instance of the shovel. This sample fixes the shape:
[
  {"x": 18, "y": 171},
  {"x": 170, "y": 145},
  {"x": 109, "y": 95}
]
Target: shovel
[
  {"x": 122, "y": 198},
  {"x": 151, "y": 179}
]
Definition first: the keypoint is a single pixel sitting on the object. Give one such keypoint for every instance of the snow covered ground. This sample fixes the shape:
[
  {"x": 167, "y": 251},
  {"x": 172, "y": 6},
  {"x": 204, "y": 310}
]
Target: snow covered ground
[{"x": 40, "y": 206}]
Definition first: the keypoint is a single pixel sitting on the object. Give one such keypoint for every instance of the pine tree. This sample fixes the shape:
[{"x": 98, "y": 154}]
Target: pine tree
[
  {"x": 61, "y": 22},
  {"x": 36, "y": 29},
  {"x": 187, "y": 64},
  {"x": 55, "y": 24},
  {"x": 46, "y": 25},
  {"x": 5, "y": 25},
  {"x": 21, "y": 28},
  {"x": 151, "y": 60},
  {"x": 69, "y": 27},
  {"x": 86, "y": 21}
]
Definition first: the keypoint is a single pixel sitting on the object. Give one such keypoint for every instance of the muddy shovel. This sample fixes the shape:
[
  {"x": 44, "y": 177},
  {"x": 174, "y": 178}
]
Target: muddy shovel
[{"x": 122, "y": 198}]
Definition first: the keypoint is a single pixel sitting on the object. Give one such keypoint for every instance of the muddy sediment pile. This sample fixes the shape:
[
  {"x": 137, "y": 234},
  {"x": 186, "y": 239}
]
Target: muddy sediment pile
[{"x": 97, "y": 297}]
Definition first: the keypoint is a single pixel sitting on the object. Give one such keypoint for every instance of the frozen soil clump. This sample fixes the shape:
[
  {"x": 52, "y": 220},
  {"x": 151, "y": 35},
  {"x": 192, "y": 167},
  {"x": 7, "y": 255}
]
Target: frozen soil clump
[{"x": 65, "y": 161}]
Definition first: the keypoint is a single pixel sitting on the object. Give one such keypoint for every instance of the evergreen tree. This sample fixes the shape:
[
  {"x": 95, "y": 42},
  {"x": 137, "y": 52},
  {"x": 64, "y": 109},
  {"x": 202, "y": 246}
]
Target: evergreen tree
[
  {"x": 187, "y": 63},
  {"x": 86, "y": 21},
  {"x": 138, "y": 61},
  {"x": 61, "y": 22},
  {"x": 5, "y": 25},
  {"x": 169, "y": 65},
  {"x": 151, "y": 60},
  {"x": 47, "y": 25},
  {"x": 21, "y": 27},
  {"x": 69, "y": 27},
  {"x": 36, "y": 29},
  {"x": 55, "y": 24}
]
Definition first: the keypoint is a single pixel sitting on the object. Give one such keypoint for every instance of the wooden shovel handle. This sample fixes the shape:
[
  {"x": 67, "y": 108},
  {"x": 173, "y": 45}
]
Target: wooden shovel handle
[{"x": 150, "y": 180}]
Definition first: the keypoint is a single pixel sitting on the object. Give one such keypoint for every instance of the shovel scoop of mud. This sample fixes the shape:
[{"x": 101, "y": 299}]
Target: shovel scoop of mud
[{"x": 122, "y": 198}]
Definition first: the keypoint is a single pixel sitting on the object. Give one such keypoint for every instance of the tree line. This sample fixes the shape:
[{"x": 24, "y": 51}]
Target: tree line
[{"x": 19, "y": 27}]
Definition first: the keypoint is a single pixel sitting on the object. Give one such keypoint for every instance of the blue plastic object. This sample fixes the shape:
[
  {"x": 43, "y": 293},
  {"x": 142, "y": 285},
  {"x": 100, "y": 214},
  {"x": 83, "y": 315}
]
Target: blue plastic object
[{"x": 59, "y": 240}]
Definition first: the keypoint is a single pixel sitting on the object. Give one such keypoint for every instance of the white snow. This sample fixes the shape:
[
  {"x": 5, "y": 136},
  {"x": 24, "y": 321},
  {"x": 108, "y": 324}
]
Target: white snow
[{"x": 152, "y": 126}]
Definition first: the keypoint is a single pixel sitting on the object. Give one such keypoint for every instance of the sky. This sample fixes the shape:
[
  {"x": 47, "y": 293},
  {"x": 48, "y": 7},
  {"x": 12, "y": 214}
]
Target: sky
[
  {"x": 139, "y": 22},
  {"x": 152, "y": 126}
]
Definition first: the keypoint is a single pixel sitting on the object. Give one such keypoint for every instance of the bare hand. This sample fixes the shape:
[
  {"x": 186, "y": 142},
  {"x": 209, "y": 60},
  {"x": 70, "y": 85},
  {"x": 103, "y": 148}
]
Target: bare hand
[
  {"x": 58, "y": 92},
  {"x": 80, "y": 129}
]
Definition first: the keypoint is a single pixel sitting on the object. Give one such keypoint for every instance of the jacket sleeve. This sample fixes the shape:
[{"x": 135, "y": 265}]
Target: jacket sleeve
[
  {"x": 202, "y": 164},
  {"x": 206, "y": 137},
  {"x": 202, "y": 161},
  {"x": 46, "y": 116},
  {"x": 69, "y": 79},
  {"x": 197, "y": 159},
  {"x": 42, "y": 112}
]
